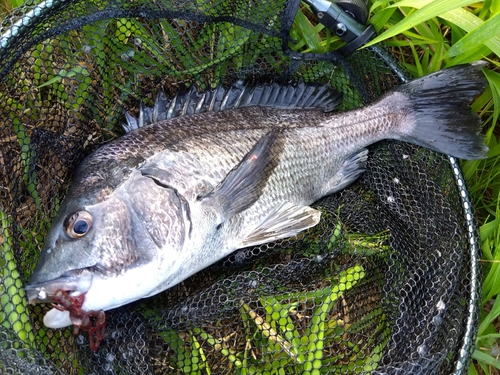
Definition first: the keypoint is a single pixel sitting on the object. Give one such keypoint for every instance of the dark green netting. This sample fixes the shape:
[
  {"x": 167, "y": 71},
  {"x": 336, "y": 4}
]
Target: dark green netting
[{"x": 387, "y": 283}]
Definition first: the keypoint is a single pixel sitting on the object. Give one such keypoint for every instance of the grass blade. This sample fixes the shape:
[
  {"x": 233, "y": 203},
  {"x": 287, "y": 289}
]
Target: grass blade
[
  {"x": 486, "y": 358},
  {"x": 495, "y": 311},
  {"x": 476, "y": 37},
  {"x": 431, "y": 10},
  {"x": 464, "y": 20},
  {"x": 14, "y": 313},
  {"x": 487, "y": 229},
  {"x": 494, "y": 81}
]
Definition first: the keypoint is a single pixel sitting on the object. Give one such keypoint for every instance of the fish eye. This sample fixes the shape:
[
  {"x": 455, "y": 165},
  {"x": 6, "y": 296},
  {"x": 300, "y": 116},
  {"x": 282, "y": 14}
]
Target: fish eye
[{"x": 79, "y": 224}]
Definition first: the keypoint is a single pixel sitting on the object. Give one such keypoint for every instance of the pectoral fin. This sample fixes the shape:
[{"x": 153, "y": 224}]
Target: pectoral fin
[
  {"x": 285, "y": 221},
  {"x": 244, "y": 184}
]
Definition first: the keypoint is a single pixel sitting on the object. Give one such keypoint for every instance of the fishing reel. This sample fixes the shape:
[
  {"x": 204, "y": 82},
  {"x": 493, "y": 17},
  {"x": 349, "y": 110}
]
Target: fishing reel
[{"x": 347, "y": 19}]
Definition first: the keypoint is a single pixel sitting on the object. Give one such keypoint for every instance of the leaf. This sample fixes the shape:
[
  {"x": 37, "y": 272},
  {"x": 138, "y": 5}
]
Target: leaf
[
  {"x": 431, "y": 10},
  {"x": 468, "y": 22},
  {"x": 485, "y": 358},
  {"x": 491, "y": 336},
  {"x": 492, "y": 315},
  {"x": 63, "y": 73},
  {"x": 491, "y": 287},
  {"x": 380, "y": 18},
  {"x": 494, "y": 6},
  {"x": 459, "y": 17},
  {"x": 476, "y": 53},
  {"x": 472, "y": 370},
  {"x": 486, "y": 230},
  {"x": 476, "y": 37},
  {"x": 494, "y": 81},
  {"x": 308, "y": 34}
]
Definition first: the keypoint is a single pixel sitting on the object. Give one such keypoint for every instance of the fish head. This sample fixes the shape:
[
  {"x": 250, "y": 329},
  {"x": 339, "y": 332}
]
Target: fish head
[{"x": 112, "y": 250}]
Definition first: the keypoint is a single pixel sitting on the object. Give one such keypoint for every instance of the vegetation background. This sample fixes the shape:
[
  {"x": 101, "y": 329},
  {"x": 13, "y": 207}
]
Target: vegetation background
[{"x": 426, "y": 36}]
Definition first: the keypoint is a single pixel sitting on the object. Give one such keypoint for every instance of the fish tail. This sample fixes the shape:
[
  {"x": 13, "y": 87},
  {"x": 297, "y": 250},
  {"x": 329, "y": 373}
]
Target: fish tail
[{"x": 438, "y": 111}]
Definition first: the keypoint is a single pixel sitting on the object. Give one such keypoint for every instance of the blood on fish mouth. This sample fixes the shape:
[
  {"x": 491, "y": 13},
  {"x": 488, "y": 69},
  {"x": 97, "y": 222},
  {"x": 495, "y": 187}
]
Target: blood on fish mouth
[{"x": 93, "y": 322}]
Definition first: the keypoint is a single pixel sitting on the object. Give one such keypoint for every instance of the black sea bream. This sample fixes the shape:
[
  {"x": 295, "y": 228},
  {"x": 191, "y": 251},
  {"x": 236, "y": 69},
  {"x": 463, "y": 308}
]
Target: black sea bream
[{"x": 162, "y": 202}]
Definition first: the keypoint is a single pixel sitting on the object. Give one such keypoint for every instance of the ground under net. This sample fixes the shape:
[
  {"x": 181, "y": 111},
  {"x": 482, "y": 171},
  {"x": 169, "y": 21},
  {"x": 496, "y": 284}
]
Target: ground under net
[{"x": 386, "y": 283}]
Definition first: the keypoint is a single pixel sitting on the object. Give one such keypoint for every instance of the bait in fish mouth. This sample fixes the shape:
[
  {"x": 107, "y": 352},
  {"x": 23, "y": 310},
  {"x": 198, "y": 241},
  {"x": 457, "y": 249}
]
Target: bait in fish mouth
[{"x": 203, "y": 175}]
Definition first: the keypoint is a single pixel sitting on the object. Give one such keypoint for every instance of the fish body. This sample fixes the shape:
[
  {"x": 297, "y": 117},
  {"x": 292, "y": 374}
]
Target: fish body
[{"x": 162, "y": 202}]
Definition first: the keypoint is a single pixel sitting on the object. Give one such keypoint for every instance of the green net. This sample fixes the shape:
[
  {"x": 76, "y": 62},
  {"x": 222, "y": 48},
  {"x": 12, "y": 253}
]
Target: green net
[{"x": 386, "y": 283}]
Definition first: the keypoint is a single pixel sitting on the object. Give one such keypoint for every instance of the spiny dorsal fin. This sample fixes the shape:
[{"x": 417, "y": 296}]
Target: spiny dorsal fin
[{"x": 291, "y": 96}]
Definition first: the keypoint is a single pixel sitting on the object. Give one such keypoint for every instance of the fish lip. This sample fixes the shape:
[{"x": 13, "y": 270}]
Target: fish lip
[{"x": 75, "y": 282}]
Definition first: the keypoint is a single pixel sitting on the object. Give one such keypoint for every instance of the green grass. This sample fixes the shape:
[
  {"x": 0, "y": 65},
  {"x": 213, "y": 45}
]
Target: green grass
[
  {"x": 282, "y": 341},
  {"x": 425, "y": 36}
]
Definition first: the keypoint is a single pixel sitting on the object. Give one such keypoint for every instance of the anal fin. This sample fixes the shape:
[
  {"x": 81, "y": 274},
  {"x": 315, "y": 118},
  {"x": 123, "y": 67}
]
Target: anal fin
[
  {"x": 351, "y": 169},
  {"x": 285, "y": 221}
]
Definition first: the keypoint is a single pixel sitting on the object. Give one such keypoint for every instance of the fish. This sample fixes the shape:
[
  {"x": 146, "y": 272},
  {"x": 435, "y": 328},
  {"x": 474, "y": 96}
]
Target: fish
[{"x": 176, "y": 194}]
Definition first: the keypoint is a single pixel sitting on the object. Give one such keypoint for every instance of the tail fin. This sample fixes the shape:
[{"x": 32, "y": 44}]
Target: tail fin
[{"x": 441, "y": 118}]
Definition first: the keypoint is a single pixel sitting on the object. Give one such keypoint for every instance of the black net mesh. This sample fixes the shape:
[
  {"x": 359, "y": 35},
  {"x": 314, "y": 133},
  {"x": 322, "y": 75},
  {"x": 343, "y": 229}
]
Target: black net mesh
[{"x": 386, "y": 283}]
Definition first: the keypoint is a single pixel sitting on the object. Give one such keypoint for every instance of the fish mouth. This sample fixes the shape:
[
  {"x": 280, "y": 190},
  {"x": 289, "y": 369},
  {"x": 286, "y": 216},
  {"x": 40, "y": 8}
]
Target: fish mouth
[{"x": 75, "y": 283}]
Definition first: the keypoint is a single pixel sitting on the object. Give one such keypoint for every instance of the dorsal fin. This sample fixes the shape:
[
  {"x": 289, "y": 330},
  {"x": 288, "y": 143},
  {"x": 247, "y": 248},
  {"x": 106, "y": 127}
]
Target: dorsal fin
[{"x": 291, "y": 96}]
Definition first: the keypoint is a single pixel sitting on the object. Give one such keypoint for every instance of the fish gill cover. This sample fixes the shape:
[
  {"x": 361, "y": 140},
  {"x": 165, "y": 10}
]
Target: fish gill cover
[{"x": 385, "y": 283}]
